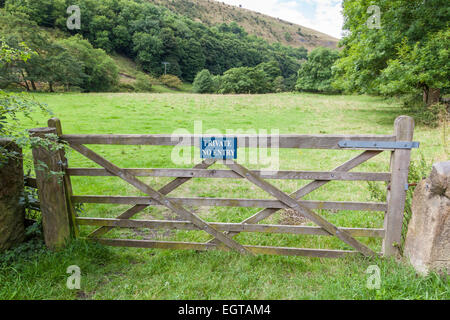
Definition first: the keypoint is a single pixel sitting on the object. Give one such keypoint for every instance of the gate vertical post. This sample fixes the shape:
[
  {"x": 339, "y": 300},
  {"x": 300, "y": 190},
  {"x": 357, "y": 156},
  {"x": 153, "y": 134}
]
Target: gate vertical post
[
  {"x": 52, "y": 197},
  {"x": 396, "y": 196},
  {"x": 56, "y": 123}
]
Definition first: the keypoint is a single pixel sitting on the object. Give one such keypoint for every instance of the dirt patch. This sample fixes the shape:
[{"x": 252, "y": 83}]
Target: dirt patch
[{"x": 292, "y": 218}]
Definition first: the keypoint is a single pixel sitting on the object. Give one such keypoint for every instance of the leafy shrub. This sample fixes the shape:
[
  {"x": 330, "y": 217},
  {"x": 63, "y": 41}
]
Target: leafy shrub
[
  {"x": 143, "y": 83},
  {"x": 288, "y": 37},
  {"x": 171, "y": 81},
  {"x": 126, "y": 87},
  {"x": 203, "y": 82}
]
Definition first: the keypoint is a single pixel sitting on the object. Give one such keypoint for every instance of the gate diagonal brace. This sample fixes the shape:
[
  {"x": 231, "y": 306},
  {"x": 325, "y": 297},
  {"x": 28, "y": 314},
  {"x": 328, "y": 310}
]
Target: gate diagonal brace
[
  {"x": 310, "y": 187},
  {"x": 159, "y": 197},
  {"x": 295, "y": 205},
  {"x": 165, "y": 190}
]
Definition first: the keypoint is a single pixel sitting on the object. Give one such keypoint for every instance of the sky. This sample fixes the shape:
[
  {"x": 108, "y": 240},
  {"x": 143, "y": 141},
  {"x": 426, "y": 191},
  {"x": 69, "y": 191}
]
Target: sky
[{"x": 321, "y": 15}]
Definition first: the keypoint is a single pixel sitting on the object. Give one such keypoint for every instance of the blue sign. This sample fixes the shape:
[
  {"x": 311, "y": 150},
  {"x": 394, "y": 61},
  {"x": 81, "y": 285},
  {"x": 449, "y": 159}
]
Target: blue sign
[{"x": 218, "y": 148}]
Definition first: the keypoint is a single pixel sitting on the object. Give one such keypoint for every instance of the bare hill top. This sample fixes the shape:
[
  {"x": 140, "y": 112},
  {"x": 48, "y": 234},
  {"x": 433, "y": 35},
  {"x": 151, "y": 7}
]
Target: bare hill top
[{"x": 212, "y": 12}]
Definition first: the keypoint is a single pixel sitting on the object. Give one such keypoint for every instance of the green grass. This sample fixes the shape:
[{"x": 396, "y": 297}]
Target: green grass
[{"x": 160, "y": 274}]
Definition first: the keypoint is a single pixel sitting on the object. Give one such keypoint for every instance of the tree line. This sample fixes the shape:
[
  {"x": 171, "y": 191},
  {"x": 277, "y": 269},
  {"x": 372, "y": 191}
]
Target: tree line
[
  {"x": 151, "y": 35},
  {"x": 407, "y": 56}
]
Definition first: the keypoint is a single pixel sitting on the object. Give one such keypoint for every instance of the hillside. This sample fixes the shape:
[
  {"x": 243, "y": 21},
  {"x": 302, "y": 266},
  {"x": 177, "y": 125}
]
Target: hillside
[{"x": 212, "y": 12}]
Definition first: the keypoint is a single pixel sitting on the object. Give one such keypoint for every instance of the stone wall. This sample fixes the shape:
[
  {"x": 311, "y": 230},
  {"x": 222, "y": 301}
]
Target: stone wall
[
  {"x": 428, "y": 239},
  {"x": 12, "y": 213}
]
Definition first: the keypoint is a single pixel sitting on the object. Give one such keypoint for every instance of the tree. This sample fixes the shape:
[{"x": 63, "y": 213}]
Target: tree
[
  {"x": 203, "y": 82},
  {"x": 101, "y": 72},
  {"x": 14, "y": 107},
  {"x": 315, "y": 74},
  {"x": 424, "y": 67},
  {"x": 245, "y": 80},
  {"x": 368, "y": 52},
  {"x": 151, "y": 34}
]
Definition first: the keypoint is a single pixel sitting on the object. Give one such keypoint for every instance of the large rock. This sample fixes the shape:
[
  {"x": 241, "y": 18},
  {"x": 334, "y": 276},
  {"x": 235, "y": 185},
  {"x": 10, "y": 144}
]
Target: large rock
[
  {"x": 12, "y": 213},
  {"x": 428, "y": 239}
]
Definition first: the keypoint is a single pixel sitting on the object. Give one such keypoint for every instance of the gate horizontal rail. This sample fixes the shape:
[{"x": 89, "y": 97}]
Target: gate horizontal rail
[
  {"x": 223, "y": 233},
  {"x": 245, "y": 141},
  {"x": 228, "y": 174},
  {"x": 234, "y": 227},
  {"x": 223, "y": 202}
]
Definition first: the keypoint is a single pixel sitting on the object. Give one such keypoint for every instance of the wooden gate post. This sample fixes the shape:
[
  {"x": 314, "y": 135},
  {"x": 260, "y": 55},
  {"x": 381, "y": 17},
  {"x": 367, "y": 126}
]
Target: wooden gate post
[
  {"x": 56, "y": 123},
  {"x": 396, "y": 196},
  {"x": 55, "y": 215}
]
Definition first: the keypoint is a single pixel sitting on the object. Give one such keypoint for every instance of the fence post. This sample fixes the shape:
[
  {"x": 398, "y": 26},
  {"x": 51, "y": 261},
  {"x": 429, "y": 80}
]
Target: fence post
[
  {"x": 396, "y": 196},
  {"x": 56, "y": 123},
  {"x": 55, "y": 216}
]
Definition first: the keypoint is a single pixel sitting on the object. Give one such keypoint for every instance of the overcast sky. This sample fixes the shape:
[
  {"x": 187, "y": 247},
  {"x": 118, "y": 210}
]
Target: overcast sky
[{"x": 321, "y": 15}]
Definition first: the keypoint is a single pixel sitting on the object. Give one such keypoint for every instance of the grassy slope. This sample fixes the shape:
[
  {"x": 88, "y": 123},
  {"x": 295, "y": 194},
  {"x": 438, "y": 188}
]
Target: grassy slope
[
  {"x": 159, "y": 274},
  {"x": 128, "y": 71},
  {"x": 269, "y": 28}
]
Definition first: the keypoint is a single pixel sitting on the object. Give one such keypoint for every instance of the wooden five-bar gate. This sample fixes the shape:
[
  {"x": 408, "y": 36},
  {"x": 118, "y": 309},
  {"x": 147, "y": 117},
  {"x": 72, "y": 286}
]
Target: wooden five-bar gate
[{"x": 60, "y": 221}]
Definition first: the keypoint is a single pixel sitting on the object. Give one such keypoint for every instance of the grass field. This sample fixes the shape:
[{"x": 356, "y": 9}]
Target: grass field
[{"x": 124, "y": 273}]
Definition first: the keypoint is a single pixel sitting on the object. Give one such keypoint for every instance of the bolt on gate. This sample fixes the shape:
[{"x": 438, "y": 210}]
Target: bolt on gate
[{"x": 60, "y": 221}]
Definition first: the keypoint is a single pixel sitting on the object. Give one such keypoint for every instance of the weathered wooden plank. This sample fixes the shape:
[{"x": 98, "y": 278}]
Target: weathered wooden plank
[
  {"x": 295, "y": 205},
  {"x": 159, "y": 197},
  {"x": 235, "y": 227},
  {"x": 260, "y": 141},
  {"x": 396, "y": 197},
  {"x": 55, "y": 215},
  {"x": 56, "y": 123},
  {"x": 317, "y": 253},
  {"x": 168, "y": 188},
  {"x": 204, "y": 173},
  {"x": 226, "y": 202}
]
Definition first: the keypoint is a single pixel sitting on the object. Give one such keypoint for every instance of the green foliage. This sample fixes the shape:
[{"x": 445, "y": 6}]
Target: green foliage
[
  {"x": 372, "y": 61},
  {"x": 72, "y": 62},
  {"x": 315, "y": 74},
  {"x": 15, "y": 107},
  {"x": 27, "y": 251},
  {"x": 245, "y": 80},
  {"x": 171, "y": 81},
  {"x": 418, "y": 68},
  {"x": 143, "y": 83},
  {"x": 278, "y": 84},
  {"x": 288, "y": 37},
  {"x": 203, "y": 82},
  {"x": 100, "y": 70},
  {"x": 151, "y": 35}
]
